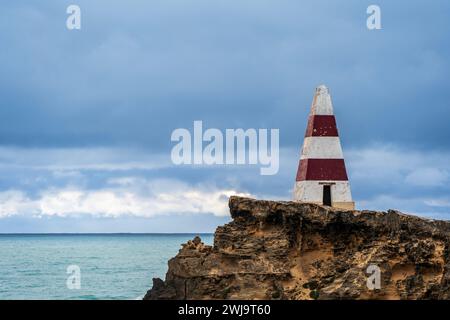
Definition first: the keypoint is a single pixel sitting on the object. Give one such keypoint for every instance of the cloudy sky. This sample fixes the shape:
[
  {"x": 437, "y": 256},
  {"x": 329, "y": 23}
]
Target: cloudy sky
[{"x": 86, "y": 115}]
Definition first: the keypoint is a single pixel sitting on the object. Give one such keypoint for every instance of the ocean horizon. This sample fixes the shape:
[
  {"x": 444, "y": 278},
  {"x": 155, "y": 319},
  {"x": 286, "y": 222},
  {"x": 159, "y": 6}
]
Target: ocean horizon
[{"x": 112, "y": 266}]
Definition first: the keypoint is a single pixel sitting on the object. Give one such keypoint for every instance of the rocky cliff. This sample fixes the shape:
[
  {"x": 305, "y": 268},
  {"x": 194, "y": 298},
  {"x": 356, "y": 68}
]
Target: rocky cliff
[{"x": 288, "y": 250}]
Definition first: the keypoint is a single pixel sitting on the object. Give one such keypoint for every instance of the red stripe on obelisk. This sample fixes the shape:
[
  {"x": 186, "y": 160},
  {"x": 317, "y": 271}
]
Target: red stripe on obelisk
[
  {"x": 321, "y": 126},
  {"x": 321, "y": 169}
]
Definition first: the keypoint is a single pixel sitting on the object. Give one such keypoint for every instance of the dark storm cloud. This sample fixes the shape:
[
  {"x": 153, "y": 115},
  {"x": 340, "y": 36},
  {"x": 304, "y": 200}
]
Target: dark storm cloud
[{"x": 138, "y": 70}]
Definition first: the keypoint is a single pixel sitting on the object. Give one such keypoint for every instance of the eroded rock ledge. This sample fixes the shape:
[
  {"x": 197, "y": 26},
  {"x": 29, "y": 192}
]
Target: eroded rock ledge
[{"x": 288, "y": 250}]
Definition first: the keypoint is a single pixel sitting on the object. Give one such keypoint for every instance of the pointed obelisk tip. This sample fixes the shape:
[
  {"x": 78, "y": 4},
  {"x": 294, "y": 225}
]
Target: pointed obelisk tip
[
  {"x": 322, "y": 89},
  {"x": 322, "y": 104}
]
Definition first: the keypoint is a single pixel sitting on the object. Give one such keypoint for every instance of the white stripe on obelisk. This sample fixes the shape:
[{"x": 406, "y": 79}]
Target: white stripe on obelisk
[
  {"x": 322, "y": 148},
  {"x": 312, "y": 191}
]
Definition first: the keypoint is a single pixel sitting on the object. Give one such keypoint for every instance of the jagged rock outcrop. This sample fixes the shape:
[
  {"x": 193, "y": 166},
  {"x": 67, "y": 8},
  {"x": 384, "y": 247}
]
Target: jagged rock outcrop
[{"x": 289, "y": 250}]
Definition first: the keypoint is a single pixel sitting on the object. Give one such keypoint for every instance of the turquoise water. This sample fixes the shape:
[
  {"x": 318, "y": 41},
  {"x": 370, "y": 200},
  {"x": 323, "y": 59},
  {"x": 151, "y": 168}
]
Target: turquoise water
[{"x": 112, "y": 266}]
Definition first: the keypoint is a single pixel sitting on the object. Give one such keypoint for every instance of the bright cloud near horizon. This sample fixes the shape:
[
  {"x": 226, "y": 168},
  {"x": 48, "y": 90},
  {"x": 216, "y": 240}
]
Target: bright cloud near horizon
[
  {"x": 117, "y": 201},
  {"x": 86, "y": 115}
]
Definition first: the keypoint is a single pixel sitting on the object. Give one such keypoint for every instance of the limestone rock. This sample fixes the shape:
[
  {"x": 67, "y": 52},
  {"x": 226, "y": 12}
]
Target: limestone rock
[{"x": 291, "y": 250}]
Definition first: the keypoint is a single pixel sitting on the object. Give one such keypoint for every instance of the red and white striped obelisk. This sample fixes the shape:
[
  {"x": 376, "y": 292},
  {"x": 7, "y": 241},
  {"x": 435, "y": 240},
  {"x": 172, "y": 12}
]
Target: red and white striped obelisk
[{"x": 321, "y": 176}]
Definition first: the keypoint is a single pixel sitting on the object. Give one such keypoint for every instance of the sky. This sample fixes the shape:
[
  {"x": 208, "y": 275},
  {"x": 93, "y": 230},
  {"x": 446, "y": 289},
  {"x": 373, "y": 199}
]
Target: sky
[{"x": 86, "y": 115}]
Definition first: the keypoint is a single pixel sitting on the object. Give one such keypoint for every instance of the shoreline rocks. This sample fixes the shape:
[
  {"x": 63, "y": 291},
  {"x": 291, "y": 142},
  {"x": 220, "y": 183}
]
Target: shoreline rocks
[{"x": 291, "y": 250}]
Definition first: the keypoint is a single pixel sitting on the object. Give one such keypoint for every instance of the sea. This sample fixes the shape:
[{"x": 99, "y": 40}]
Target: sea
[{"x": 85, "y": 266}]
